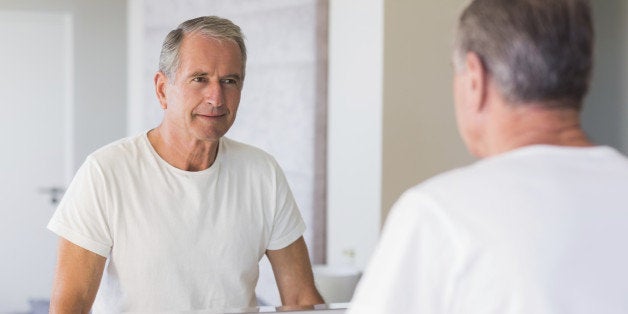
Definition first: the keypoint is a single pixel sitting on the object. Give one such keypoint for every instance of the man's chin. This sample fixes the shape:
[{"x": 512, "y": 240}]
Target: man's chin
[{"x": 209, "y": 135}]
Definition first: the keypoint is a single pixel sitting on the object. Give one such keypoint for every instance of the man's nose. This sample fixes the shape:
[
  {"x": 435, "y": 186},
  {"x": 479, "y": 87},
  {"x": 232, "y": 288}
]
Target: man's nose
[{"x": 214, "y": 94}]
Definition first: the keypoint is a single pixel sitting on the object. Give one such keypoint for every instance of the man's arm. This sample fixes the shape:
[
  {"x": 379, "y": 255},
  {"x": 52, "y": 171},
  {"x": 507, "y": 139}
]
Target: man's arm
[
  {"x": 77, "y": 278},
  {"x": 293, "y": 273}
]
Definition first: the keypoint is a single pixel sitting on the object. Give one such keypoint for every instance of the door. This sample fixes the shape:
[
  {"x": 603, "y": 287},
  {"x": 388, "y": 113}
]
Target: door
[{"x": 35, "y": 134}]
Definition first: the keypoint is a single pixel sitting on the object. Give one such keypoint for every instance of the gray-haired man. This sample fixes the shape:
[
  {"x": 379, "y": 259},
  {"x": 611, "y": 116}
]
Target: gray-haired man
[
  {"x": 177, "y": 218},
  {"x": 537, "y": 226}
]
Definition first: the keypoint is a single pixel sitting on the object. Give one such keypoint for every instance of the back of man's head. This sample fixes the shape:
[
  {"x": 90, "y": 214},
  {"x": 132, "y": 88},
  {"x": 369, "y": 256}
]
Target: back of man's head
[{"x": 534, "y": 50}]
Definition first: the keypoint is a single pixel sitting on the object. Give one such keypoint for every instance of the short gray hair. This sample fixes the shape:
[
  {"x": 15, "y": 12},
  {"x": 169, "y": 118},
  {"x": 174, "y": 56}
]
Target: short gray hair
[
  {"x": 210, "y": 26},
  {"x": 535, "y": 50}
]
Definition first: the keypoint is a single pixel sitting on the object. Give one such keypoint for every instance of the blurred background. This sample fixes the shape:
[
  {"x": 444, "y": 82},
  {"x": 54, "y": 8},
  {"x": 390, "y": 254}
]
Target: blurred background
[{"x": 354, "y": 101}]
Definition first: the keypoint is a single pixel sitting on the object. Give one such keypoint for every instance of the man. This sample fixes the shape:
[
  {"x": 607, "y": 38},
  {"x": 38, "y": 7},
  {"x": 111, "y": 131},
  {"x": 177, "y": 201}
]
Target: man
[
  {"x": 540, "y": 224},
  {"x": 177, "y": 219}
]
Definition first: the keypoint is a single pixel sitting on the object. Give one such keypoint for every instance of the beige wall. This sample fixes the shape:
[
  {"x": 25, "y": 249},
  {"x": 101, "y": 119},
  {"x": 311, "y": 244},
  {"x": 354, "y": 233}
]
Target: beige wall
[{"x": 419, "y": 129}]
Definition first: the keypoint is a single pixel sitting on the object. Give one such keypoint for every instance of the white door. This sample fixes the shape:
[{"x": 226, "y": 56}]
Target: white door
[{"x": 35, "y": 138}]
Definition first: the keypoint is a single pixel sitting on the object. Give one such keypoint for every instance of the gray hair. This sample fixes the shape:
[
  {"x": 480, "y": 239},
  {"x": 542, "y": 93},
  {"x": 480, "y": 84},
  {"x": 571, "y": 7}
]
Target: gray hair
[
  {"x": 210, "y": 26},
  {"x": 535, "y": 50}
]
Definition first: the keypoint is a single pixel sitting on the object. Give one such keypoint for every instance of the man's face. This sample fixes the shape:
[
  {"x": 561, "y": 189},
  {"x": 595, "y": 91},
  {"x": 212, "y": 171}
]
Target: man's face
[{"x": 202, "y": 101}]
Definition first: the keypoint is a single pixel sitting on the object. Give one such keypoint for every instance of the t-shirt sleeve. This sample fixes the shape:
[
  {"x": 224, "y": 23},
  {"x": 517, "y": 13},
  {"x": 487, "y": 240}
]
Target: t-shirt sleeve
[
  {"x": 408, "y": 271},
  {"x": 288, "y": 225},
  {"x": 81, "y": 216}
]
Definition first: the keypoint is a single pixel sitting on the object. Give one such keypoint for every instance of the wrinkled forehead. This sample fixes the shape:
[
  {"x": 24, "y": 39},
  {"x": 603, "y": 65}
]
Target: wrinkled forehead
[
  {"x": 209, "y": 35},
  {"x": 198, "y": 48}
]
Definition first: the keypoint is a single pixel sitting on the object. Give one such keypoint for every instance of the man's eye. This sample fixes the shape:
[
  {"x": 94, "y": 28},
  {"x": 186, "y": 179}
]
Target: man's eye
[
  {"x": 199, "y": 79},
  {"x": 229, "y": 81}
]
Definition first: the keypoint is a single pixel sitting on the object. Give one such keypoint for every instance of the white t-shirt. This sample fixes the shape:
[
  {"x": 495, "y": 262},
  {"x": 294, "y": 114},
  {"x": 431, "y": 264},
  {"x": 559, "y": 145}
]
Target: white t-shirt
[
  {"x": 177, "y": 240},
  {"x": 542, "y": 229}
]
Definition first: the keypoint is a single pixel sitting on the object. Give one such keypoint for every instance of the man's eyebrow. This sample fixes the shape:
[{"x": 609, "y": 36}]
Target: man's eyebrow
[
  {"x": 233, "y": 76},
  {"x": 198, "y": 73},
  {"x": 201, "y": 73}
]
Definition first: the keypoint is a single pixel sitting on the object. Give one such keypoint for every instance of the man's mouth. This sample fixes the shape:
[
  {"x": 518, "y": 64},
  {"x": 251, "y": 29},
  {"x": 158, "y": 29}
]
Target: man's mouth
[{"x": 211, "y": 115}]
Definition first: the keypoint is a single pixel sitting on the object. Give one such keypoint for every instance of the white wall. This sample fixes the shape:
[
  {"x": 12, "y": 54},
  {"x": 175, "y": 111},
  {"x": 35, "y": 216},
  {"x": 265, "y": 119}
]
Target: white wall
[
  {"x": 31, "y": 165},
  {"x": 354, "y": 186},
  {"x": 99, "y": 68},
  {"x": 97, "y": 39}
]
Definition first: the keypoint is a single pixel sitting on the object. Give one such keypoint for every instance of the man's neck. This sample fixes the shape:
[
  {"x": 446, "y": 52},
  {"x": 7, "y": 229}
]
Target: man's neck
[
  {"x": 525, "y": 125},
  {"x": 182, "y": 150}
]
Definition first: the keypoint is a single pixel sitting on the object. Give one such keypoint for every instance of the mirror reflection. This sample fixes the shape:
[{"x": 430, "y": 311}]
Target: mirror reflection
[{"x": 306, "y": 131}]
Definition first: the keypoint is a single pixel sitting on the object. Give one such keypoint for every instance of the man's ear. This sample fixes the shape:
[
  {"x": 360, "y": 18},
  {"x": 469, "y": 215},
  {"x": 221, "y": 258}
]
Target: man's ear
[
  {"x": 477, "y": 81},
  {"x": 161, "y": 80}
]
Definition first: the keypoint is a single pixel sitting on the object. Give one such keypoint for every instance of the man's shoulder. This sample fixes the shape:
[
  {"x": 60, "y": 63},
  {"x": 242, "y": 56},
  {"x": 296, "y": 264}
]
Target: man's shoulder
[
  {"x": 446, "y": 179},
  {"x": 465, "y": 182},
  {"x": 128, "y": 148},
  {"x": 235, "y": 146},
  {"x": 237, "y": 152},
  {"x": 516, "y": 168},
  {"x": 487, "y": 169}
]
